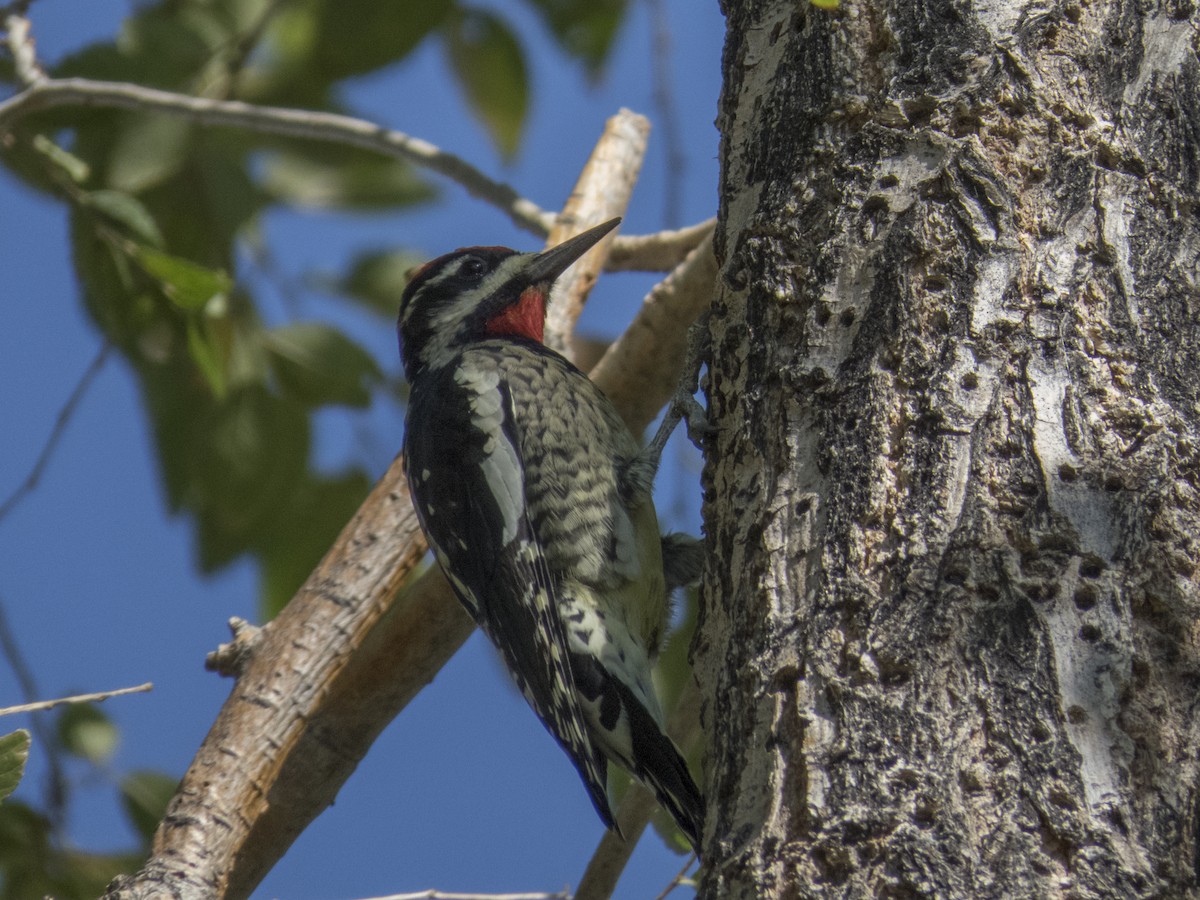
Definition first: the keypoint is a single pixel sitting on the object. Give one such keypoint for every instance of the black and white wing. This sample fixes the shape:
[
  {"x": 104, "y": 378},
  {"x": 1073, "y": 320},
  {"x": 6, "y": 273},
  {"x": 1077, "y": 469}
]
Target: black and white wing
[{"x": 467, "y": 481}]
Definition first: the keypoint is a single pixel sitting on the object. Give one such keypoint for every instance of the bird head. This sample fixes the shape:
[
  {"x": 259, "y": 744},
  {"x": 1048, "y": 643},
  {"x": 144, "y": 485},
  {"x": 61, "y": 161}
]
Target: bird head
[{"x": 480, "y": 292}]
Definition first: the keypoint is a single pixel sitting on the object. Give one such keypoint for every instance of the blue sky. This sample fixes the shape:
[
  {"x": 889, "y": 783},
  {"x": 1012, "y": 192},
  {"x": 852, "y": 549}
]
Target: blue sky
[{"x": 464, "y": 791}]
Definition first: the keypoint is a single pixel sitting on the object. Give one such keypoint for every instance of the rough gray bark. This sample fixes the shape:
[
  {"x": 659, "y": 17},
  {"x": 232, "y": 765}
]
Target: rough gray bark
[{"x": 949, "y": 645}]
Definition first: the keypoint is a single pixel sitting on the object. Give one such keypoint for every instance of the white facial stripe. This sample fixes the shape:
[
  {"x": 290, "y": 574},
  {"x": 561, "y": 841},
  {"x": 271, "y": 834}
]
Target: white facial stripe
[
  {"x": 447, "y": 272},
  {"x": 507, "y": 268}
]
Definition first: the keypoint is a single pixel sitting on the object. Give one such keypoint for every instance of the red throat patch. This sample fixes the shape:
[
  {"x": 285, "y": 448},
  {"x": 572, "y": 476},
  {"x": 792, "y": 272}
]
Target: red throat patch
[{"x": 525, "y": 318}]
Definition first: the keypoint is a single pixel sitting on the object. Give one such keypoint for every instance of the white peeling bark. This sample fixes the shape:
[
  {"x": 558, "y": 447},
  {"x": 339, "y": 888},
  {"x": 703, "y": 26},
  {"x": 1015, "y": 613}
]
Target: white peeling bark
[{"x": 949, "y": 642}]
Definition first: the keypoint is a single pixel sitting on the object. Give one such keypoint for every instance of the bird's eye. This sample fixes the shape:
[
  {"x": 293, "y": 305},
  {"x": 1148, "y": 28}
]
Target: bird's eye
[{"x": 473, "y": 266}]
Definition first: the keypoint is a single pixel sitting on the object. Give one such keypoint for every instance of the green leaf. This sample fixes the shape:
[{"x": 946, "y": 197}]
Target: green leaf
[
  {"x": 14, "y": 752},
  {"x": 147, "y": 150},
  {"x": 243, "y": 16},
  {"x": 186, "y": 284},
  {"x": 145, "y": 795},
  {"x": 319, "y": 365},
  {"x": 235, "y": 463},
  {"x": 376, "y": 279},
  {"x": 488, "y": 63},
  {"x": 70, "y": 164},
  {"x": 317, "y": 511},
  {"x": 24, "y": 835},
  {"x": 209, "y": 203},
  {"x": 35, "y": 864},
  {"x": 106, "y": 278},
  {"x": 207, "y": 356},
  {"x": 334, "y": 39},
  {"x": 669, "y": 831},
  {"x": 169, "y": 44},
  {"x": 86, "y": 732},
  {"x": 585, "y": 29},
  {"x": 346, "y": 180},
  {"x": 126, "y": 211}
]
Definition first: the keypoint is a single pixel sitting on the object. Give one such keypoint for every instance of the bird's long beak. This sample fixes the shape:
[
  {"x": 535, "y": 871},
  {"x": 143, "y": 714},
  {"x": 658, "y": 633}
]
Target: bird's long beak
[{"x": 546, "y": 266}]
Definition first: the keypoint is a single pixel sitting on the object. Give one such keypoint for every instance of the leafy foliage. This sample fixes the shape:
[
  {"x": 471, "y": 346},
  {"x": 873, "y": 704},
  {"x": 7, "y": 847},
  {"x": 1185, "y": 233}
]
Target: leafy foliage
[
  {"x": 87, "y": 733},
  {"x": 584, "y": 29},
  {"x": 14, "y": 752},
  {"x": 331, "y": 177},
  {"x": 487, "y": 59},
  {"x": 35, "y": 860},
  {"x": 336, "y": 39},
  {"x": 33, "y": 864}
]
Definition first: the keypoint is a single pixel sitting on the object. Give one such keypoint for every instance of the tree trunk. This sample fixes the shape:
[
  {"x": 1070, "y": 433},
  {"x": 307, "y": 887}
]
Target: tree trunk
[{"x": 949, "y": 641}]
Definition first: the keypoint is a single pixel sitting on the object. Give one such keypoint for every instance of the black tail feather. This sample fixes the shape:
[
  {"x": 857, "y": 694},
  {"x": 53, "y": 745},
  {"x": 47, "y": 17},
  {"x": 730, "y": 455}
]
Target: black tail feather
[
  {"x": 661, "y": 767},
  {"x": 652, "y": 756}
]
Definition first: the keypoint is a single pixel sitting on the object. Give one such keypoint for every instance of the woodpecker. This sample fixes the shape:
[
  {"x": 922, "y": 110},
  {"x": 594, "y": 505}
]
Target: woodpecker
[{"x": 536, "y": 502}]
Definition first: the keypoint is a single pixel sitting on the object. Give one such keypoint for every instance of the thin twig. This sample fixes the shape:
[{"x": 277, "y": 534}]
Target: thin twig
[
  {"x": 308, "y": 124},
  {"x": 56, "y": 433},
  {"x": 56, "y": 780},
  {"x": 678, "y": 879},
  {"x": 78, "y": 698},
  {"x": 653, "y": 252},
  {"x": 663, "y": 322},
  {"x": 442, "y": 895},
  {"x": 602, "y": 191}
]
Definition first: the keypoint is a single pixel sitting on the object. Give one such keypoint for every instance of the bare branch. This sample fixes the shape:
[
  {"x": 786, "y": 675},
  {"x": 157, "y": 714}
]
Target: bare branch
[
  {"x": 650, "y": 354},
  {"x": 659, "y": 252},
  {"x": 604, "y": 870},
  {"x": 654, "y": 252},
  {"x": 19, "y": 36},
  {"x": 601, "y": 193},
  {"x": 56, "y": 433},
  {"x": 680, "y": 878},
  {"x": 326, "y": 675},
  {"x": 443, "y": 895},
  {"x": 231, "y": 659},
  {"x": 310, "y": 125},
  {"x": 78, "y": 698}
]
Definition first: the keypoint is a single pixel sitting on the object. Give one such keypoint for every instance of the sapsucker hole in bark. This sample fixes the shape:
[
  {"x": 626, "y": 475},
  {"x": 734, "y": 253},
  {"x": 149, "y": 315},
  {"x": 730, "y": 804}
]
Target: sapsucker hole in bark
[{"x": 1085, "y": 596}]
